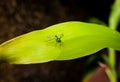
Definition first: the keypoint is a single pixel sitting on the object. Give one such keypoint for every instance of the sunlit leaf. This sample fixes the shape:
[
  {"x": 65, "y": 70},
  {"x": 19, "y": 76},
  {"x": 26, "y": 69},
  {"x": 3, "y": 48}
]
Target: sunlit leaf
[{"x": 62, "y": 41}]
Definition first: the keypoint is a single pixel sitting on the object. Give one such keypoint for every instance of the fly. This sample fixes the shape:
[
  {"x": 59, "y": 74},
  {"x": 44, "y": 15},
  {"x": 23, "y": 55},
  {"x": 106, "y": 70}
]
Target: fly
[{"x": 57, "y": 38}]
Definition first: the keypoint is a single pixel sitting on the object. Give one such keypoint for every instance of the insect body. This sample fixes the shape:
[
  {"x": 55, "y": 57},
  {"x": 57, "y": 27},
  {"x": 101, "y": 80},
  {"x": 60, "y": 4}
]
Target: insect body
[{"x": 57, "y": 38}]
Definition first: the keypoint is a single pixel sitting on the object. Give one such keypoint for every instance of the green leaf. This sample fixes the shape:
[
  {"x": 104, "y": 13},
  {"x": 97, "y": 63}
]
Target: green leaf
[
  {"x": 62, "y": 41},
  {"x": 115, "y": 15}
]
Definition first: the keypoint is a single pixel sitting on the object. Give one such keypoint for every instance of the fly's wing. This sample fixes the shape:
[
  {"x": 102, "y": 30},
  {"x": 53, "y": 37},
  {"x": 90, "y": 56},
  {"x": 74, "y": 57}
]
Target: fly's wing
[{"x": 51, "y": 38}]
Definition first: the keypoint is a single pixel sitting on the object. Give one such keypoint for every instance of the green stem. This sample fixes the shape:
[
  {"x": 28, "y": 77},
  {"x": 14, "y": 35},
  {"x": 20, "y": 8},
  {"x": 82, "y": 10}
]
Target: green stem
[
  {"x": 111, "y": 72},
  {"x": 113, "y": 22},
  {"x": 112, "y": 75},
  {"x": 112, "y": 58}
]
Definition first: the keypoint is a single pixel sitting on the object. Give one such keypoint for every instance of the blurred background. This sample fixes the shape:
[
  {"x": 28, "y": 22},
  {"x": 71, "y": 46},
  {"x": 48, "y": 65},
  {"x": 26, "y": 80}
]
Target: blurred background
[{"x": 18, "y": 17}]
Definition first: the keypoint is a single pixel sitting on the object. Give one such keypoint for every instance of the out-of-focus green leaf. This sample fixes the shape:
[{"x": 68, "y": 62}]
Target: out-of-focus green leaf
[
  {"x": 115, "y": 15},
  {"x": 62, "y": 41}
]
